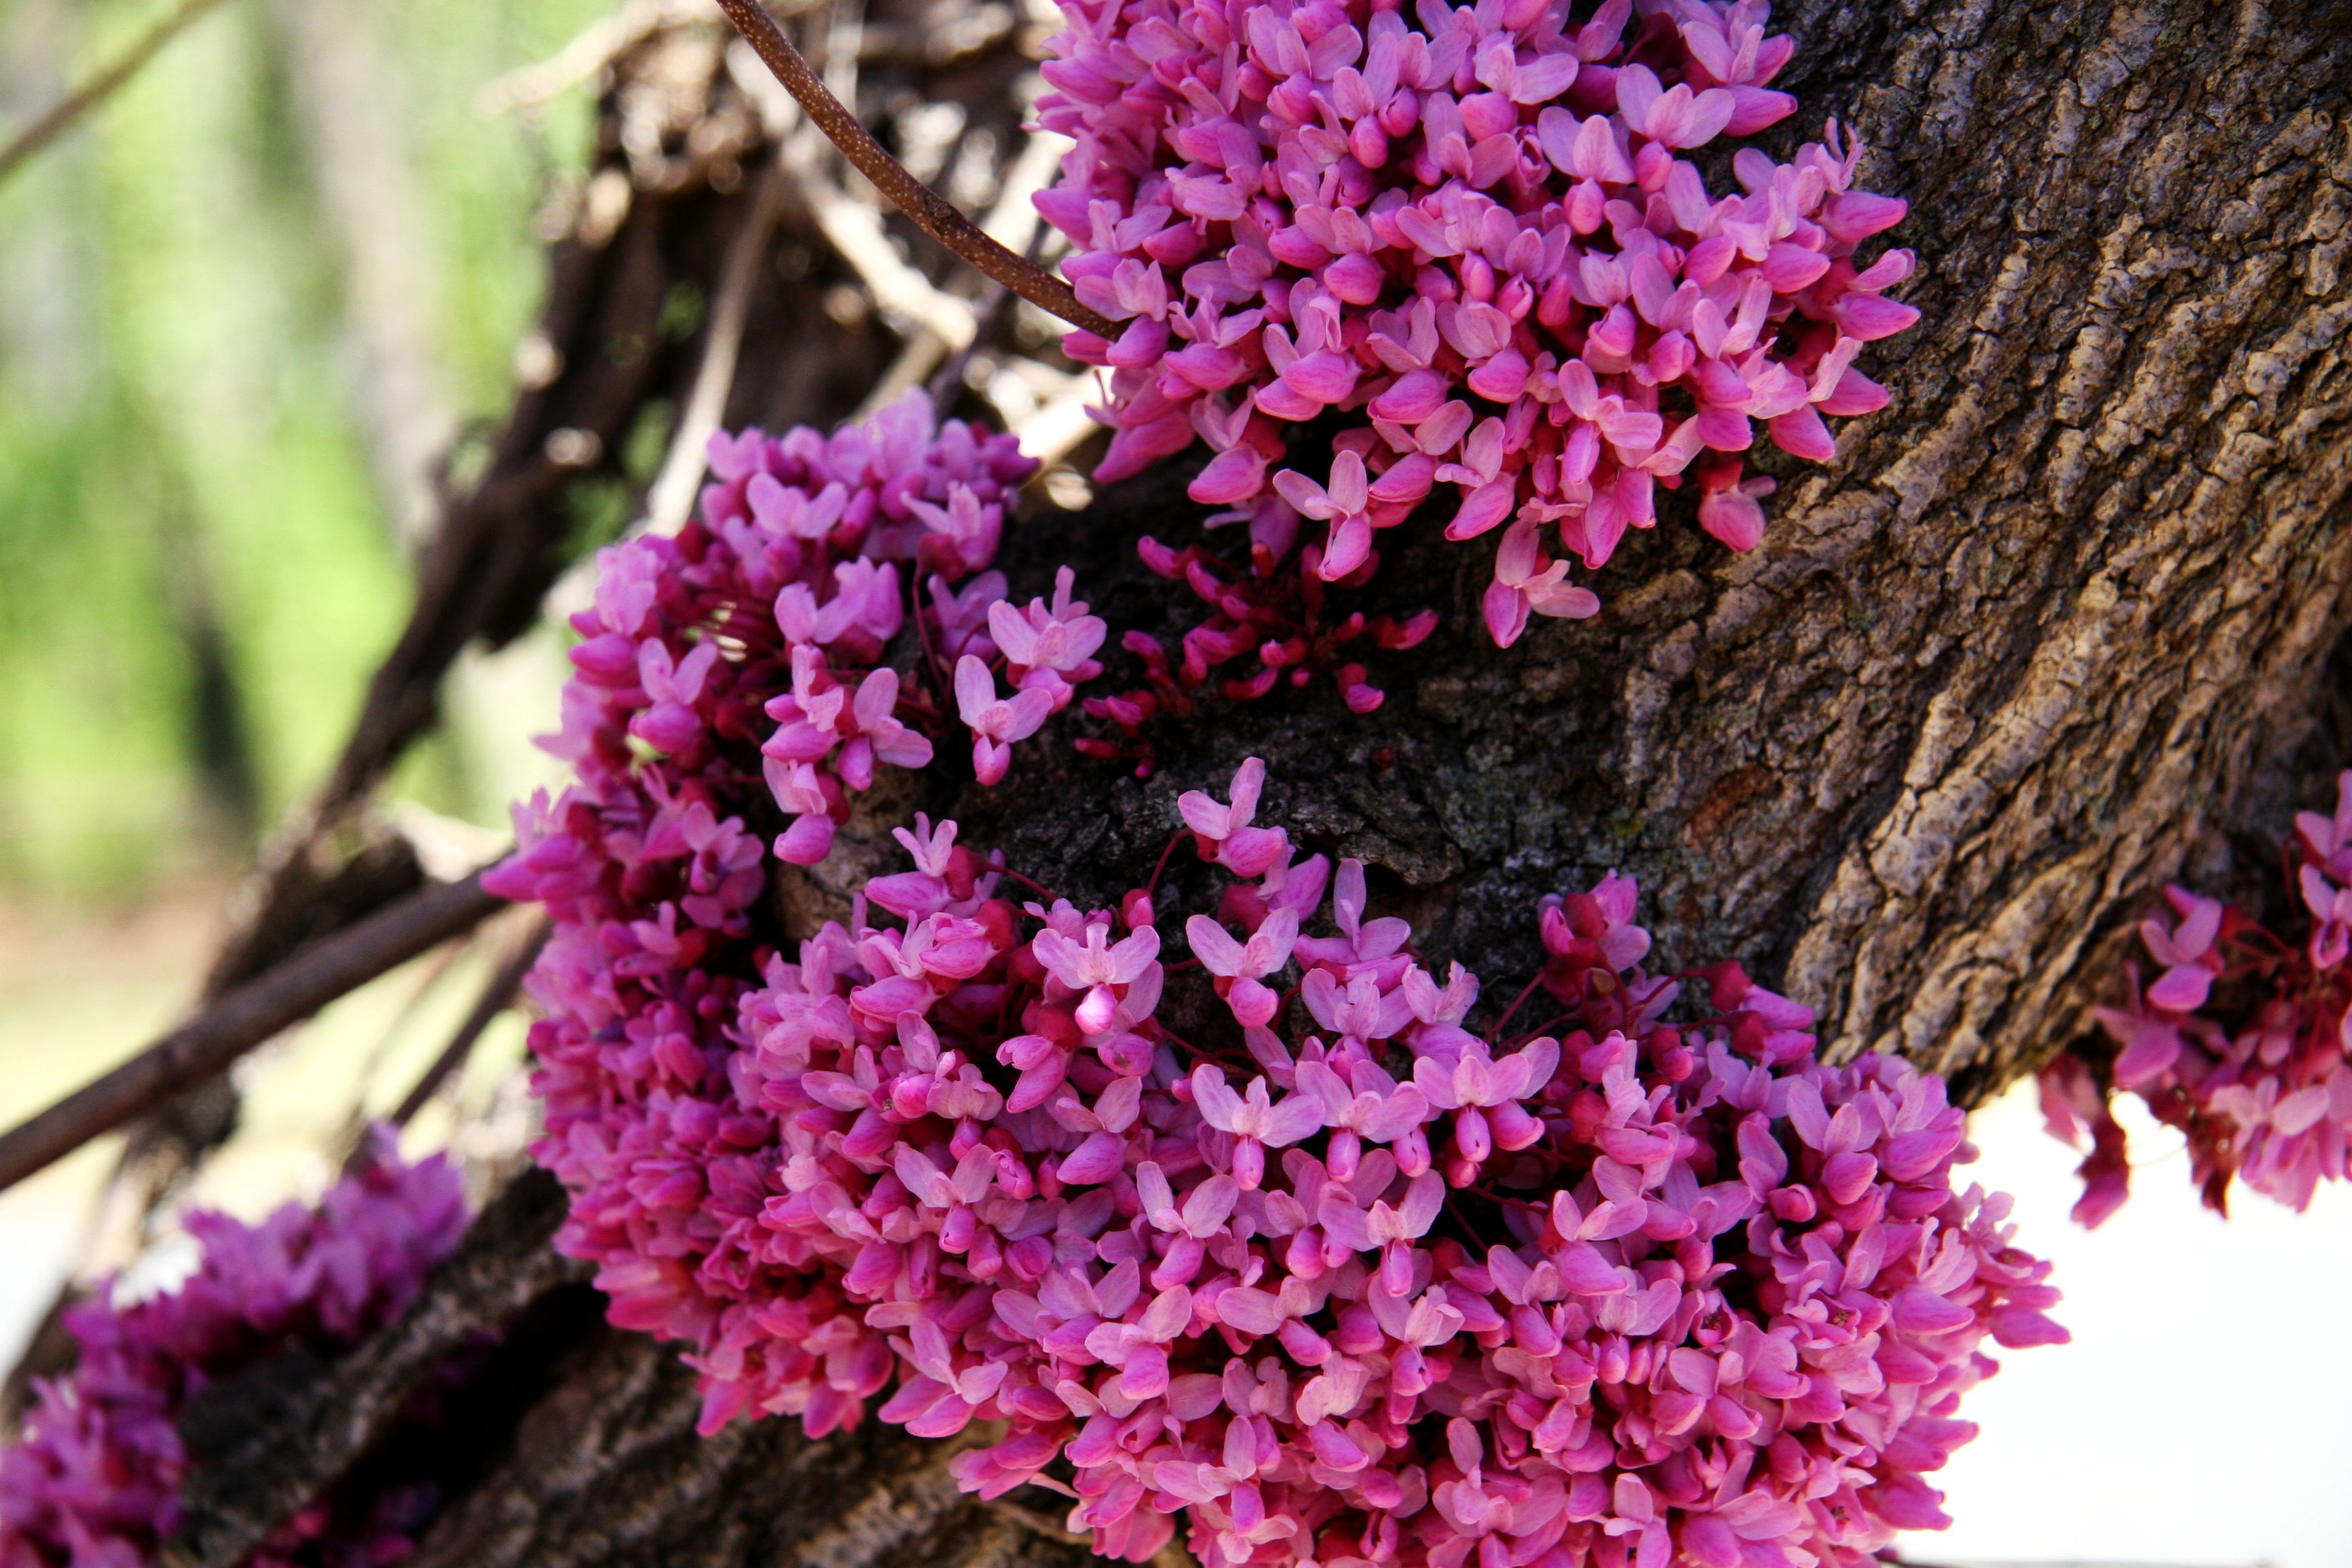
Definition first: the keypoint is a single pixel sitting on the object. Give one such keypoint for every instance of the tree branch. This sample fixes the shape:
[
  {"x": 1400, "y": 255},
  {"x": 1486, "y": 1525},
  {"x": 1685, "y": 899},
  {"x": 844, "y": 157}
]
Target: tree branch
[
  {"x": 244, "y": 1018},
  {"x": 493, "y": 1000},
  {"x": 506, "y": 1263},
  {"x": 60, "y": 116},
  {"x": 936, "y": 216}
]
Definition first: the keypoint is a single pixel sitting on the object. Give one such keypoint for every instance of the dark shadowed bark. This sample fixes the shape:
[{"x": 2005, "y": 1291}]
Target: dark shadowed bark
[{"x": 2062, "y": 621}]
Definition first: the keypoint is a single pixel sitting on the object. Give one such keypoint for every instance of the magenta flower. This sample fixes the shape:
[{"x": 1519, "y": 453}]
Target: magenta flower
[
  {"x": 2259, "y": 1077},
  {"x": 2185, "y": 951},
  {"x": 94, "y": 1476},
  {"x": 783, "y": 598},
  {"x": 1050, "y": 647},
  {"x": 1474, "y": 236},
  {"x": 1241, "y": 967},
  {"x": 995, "y": 723},
  {"x": 1223, "y": 831},
  {"x": 1632, "y": 1286},
  {"x": 1344, "y": 505},
  {"x": 1253, "y": 1120},
  {"x": 1096, "y": 967}
]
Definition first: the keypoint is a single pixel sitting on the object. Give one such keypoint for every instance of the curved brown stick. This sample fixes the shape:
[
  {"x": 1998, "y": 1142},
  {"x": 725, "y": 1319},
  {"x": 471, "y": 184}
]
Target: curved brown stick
[
  {"x": 937, "y": 218},
  {"x": 59, "y": 117},
  {"x": 243, "y": 1019}
]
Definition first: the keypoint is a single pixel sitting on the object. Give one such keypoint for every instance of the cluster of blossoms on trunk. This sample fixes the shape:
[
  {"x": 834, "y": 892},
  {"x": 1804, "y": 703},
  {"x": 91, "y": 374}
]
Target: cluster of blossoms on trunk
[
  {"x": 1468, "y": 245},
  {"x": 1343, "y": 1281},
  {"x": 94, "y": 1480},
  {"x": 2243, "y": 1041},
  {"x": 1323, "y": 1271},
  {"x": 795, "y": 559},
  {"x": 1285, "y": 619}
]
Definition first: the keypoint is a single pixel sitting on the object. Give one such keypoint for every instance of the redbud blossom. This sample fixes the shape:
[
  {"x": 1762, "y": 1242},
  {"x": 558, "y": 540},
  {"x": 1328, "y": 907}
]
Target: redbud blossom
[
  {"x": 1470, "y": 238},
  {"x": 2260, "y": 1082},
  {"x": 94, "y": 1476}
]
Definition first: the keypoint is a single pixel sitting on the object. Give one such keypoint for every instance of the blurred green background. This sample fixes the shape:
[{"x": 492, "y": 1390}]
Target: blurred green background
[{"x": 243, "y": 307}]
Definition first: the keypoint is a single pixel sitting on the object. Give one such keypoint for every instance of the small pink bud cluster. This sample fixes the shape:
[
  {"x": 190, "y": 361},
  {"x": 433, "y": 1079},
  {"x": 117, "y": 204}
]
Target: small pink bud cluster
[
  {"x": 1474, "y": 235},
  {"x": 1280, "y": 617},
  {"x": 2244, "y": 1041},
  {"x": 1341, "y": 1280},
  {"x": 94, "y": 1480},
  {"x": 779, "y": 603},
  {"x": 1048, "y": 651}
]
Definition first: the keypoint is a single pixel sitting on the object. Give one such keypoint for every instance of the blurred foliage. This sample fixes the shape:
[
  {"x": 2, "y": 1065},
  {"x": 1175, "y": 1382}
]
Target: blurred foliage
[{"x": 197, "y": 568}]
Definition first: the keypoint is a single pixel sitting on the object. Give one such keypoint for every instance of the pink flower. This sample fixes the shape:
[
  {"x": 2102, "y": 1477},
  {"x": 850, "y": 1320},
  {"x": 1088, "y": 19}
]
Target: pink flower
[
  {"x": 1255, "y": 1122},
  {"x": 1224, "y": 831},
  {"x": 1525, "y": 582},
  {"x": 1473, "y": 240},
  {"x": 1096, "y": 967},
  {"x": 2186, "y": 951},
  {"x": 1344, "y": 505},
  {"x": 2257, "y": 1074},
  {"x": 1485, "y": 1095},
  {"x": 95, "y": 1475},
  {"x": 1240, "y": 966},
  {"x": 1368, "y": 1107},
  {"x": 1053, "y": 645},
  {"x": 995, "y": 723},
  {"x": 2331, "y": 912},
  {"x": 1358, "y": 942},
  {"x": 961, "y": 616}
]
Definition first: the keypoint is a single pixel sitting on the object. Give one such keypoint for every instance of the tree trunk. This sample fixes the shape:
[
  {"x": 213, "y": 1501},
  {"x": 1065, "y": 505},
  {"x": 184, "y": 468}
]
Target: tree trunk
[{"x": 2062, "y": 621}]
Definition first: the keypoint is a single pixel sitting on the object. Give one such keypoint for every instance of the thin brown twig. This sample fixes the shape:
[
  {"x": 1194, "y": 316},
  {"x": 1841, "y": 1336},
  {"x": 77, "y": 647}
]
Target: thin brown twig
[
  {"x": 59, "y": 117},
  {"x": 669, "y": 501},
  {"x": 494, "y": 997},
  {"x": 937, "y": 217},
  {"x": 244, "y": 1018}
]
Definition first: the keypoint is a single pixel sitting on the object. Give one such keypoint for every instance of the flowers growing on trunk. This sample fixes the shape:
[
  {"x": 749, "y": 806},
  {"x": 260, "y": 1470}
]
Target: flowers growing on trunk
[
  {"x": 1470, "y": 248},
  {"x": 94, "y": 1478},
  {"x": 2234, "y": 1034}
]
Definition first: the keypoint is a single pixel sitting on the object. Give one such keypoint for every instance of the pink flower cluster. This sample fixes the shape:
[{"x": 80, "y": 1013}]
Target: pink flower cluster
[
  {"x": 768, "y": 618},
  {"x": 1282, "y": 619},
  {"x": 2244, "y": 1041},
  {"x": 1475, "y": 237},
  {"x": 1342, "y": 1280},
  {"x": 94, "y": 1481}
]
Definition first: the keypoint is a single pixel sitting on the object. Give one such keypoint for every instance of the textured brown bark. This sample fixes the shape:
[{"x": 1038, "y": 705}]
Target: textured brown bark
[{"x": 2065, "y": 619}]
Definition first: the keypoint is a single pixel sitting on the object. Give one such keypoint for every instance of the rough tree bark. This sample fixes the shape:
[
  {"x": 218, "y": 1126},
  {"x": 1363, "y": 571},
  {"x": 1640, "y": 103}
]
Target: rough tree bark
[{"x": 2065, "y": 618}]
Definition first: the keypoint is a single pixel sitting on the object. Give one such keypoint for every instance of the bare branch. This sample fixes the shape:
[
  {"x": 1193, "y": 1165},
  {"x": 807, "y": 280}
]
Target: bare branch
[
  {"x": 244, "y": 1018},
  {"x": 60, "y": 116},
  {"x": 505, "y": 1264},
  {"x": 591, "y": 50},
  {"x": 937, "y": 217},
  {"x": 493, "y": 1000},
  {"x": 671, "y": 497}
]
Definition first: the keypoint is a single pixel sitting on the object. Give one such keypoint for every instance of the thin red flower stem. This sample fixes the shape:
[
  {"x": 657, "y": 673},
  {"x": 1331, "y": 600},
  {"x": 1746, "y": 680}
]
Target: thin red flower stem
[
  {"x": 932, "y": 212},
  {"x": 931, "y": 660},
  {"x": 1030, "y": 883},
  {"x": 1540, "y": 1030},
  {"x": 1152, "y": 888},
  {"x": 1495, "y": 1031},
  {"x": 246, "y": 1016}
]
